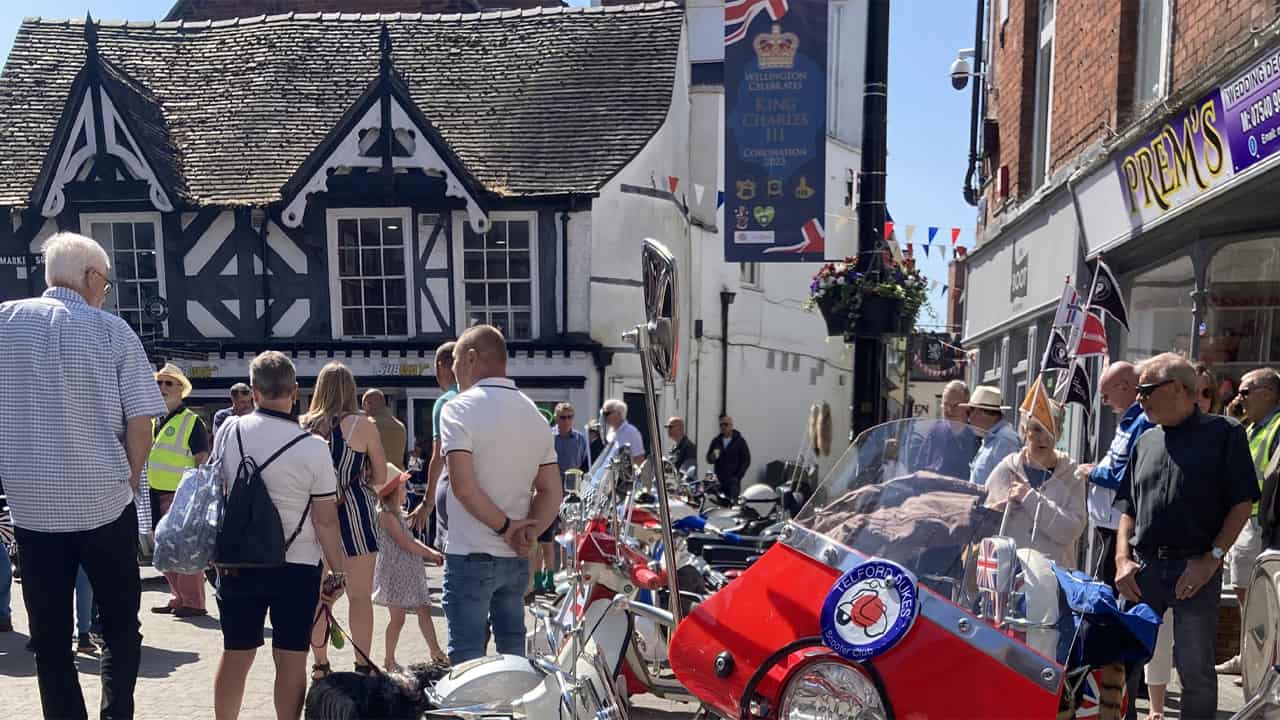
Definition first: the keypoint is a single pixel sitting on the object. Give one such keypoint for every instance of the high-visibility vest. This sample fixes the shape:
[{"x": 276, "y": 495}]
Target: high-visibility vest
[
  {"x": 171, "y": 452},
  {"x": 1261, "y": 440}
]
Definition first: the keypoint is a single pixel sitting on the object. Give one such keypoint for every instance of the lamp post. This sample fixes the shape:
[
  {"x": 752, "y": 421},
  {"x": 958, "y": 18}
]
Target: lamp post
[{"x": 868, "y": 353}]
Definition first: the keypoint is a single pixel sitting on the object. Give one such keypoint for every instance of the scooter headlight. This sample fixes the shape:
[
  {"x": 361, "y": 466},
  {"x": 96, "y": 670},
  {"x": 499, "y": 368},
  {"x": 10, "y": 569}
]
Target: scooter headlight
[{"x": 831, "y": 691}]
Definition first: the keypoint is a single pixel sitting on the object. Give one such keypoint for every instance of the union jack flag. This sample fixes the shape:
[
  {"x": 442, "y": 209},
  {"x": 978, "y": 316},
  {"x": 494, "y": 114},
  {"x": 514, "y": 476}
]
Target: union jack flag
[
  {"x": 738, "y": 15},
  {"x": 815, "y": 240}
]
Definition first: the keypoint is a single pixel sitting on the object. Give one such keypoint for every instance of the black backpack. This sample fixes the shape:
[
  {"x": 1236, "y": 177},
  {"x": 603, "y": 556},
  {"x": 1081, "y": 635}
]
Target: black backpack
[{"x": 252, "y": 534}]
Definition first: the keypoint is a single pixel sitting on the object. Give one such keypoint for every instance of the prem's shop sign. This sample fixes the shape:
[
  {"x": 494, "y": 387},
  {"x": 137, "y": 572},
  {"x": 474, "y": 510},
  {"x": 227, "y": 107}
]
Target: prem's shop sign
[{"x": 1224, "y": 133}]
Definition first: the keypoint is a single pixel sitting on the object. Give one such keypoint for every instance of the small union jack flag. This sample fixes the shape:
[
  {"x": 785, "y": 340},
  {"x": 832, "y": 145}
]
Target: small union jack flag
[
  {"x": 815, "y": 240},
  {"x": 738, "y": 15}
]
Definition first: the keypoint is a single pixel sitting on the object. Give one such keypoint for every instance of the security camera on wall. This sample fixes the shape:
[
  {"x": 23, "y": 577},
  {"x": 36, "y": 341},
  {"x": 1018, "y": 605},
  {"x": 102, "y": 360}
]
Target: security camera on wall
[{"x": 960, "y": 70}]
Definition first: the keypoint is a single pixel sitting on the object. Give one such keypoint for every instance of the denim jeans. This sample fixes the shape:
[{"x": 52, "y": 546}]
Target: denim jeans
[
  {"x": 84, "y": 602},
  {"x": 6, "y": 584},
  {"x": 50, "y": 563},
  {"x": 1195, "y": 625},
  {"x": 481, "y": 591}
]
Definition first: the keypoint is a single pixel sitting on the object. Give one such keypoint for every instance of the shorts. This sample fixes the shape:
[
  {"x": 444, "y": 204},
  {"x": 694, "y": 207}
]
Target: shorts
[
  {"x": 1243, "y": 555},
  {"x": 290, "y": 593},
  {"x": 549, "y": 535}
]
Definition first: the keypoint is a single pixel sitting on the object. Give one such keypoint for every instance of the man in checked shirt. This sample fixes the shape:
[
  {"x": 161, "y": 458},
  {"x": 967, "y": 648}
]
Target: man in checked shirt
[{"x": 71, "y": 463}]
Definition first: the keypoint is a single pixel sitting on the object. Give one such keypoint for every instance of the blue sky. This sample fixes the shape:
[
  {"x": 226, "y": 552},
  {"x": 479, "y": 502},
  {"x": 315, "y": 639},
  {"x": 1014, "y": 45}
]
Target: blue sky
[{"x": 928, "y": 121}]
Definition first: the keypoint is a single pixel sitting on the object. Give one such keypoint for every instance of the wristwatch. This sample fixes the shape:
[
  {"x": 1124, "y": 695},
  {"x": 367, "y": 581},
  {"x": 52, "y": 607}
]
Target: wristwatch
[{"x": 1218, "y": 553}]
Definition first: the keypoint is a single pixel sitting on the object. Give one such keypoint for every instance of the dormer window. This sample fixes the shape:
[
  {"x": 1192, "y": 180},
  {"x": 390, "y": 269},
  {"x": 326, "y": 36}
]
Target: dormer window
[
  {"x": 133, "y": 242},
  {"x": 370, "y": 253}
]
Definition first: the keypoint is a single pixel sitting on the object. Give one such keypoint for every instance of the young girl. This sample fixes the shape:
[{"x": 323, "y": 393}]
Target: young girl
[{"x": 399, "y": 581}]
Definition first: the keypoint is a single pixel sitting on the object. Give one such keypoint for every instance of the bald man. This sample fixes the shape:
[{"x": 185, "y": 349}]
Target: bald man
[
  {"x": 1119, "y": 385},
  {"x": 504, "y": 490}
]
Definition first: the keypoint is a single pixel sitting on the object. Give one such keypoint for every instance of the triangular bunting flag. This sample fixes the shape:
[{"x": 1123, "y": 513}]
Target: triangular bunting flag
[
  {"x": 944, "y": 289},
  {"x": 1105, "y": 295},
  {"x": 888, "y": 229},
  {"x": 1093, "y": 337},
  {"x": 1055, "y": 353},
  {"x": 933, "y": 232},
  {"x": 961, "y": 251},
  {"x": 1039, "y": 407},
  {"x": 698, "y": 191},
  {"x": 910, "y": 230},
  {"x": 926, "y": 249},
  {"x": 719, "y": 199},
  {"x": 1079, "y": 390},
  {"x": 955, "y": 235},
  {"x": 672, "y": 182}
]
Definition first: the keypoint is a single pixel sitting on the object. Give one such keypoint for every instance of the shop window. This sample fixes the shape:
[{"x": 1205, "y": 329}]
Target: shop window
[
  {"x": 1043, "y": 109},
  {"x": 370, "y": 256},
  {"x": 1152, "y": 63},
  {"x": 1160, "y": 310},
  {"x": 498, "y": 275},
  {"x": 1244, "y": 307},
  {"x": 134, "y": 244}
]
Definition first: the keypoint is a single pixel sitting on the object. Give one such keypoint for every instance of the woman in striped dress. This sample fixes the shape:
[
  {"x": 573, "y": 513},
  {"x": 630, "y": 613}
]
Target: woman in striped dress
[{"x": 361, "y": 466}]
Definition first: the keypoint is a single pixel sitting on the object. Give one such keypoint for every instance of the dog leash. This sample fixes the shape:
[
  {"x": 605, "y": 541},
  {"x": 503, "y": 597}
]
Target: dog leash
[{"x": 326, "y": 612}]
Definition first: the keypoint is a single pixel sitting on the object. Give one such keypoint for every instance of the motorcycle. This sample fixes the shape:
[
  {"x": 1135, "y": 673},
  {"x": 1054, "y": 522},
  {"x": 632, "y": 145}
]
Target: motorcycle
[
  {"x": 577, "y": 674},
  {"x": 1260, "y": 641},
  {"x": 893, "y": 576}
]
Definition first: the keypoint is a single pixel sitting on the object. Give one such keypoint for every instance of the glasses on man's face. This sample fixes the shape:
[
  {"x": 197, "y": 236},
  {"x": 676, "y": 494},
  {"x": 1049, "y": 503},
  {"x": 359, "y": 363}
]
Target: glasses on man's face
[
  {"x": 725, "y": 425},
  {"x": 1145, "y": 390},
  {"x": 165, "y": 382},
  {"x": 564, "y": 417}
]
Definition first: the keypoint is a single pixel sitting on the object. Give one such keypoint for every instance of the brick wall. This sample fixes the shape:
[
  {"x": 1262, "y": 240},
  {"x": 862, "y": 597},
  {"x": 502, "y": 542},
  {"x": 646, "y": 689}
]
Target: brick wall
[{"x": 1095, "y": 46}]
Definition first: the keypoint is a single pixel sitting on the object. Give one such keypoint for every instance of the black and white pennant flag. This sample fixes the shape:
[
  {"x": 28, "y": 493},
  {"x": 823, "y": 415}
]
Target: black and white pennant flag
[
  {"x": 1056, "y": 353},
  {"x": 1079, "y": 389},
  {"x": 1105, "y": 294}
]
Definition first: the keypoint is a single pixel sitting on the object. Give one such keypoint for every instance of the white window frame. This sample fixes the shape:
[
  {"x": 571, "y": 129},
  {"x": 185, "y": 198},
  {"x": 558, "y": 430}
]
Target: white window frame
[
  {"x": 86, "y": 226},
  {"x": 1040, "y": 139},
  {"x": 749, "y": 275},
  {"x": 1142, "y": 103},
  {"x": 405, "y": 215},
  {"x": 535, "y": 269}
]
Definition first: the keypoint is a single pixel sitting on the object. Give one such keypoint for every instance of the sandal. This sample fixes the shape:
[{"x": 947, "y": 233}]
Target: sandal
[
  {"x": 320, "y": 671},
  {"x": 440, "y": 659}
]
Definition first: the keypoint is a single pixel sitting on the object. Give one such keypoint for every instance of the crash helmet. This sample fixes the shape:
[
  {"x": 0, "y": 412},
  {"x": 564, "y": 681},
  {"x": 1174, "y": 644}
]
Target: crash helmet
[{"x": 761, "y": 499}]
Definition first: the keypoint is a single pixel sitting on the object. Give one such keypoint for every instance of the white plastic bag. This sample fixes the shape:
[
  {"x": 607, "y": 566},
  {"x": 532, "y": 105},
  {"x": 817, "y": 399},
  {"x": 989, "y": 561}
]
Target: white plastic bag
[{"x": 186, "y": 535}]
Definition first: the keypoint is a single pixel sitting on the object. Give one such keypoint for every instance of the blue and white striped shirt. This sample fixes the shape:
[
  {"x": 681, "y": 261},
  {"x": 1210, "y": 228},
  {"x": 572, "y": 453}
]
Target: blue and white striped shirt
[{"x": 73, "y": 375}]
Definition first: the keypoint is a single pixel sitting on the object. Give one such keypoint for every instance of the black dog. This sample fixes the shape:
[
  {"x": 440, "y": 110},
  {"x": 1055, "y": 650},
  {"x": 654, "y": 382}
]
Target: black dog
[{"x": 353, "y": 696}]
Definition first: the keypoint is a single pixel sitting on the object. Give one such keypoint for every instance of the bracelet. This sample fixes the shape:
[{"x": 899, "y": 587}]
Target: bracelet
[{"x": 506, "y": 524}]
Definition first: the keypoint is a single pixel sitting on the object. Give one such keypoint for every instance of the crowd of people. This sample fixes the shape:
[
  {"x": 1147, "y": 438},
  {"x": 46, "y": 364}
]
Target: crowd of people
[
  {"x": 482, "y": 499},
  {"x": 1173, "y": 504}
]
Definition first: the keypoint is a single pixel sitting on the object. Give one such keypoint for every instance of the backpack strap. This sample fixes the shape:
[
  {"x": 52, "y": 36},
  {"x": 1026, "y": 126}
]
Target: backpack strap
[
  {"x": 259, "y": 468},
  {"x": 278, "y": 453}
]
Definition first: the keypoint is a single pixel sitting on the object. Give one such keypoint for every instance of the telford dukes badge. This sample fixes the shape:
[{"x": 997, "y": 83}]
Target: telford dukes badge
[
  {"x": 869, "y": 609},
  {"x": 775, "y": 79}
]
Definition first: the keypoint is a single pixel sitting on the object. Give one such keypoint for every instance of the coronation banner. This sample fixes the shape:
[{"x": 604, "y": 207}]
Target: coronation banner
[{"x": 775, "y": 86}]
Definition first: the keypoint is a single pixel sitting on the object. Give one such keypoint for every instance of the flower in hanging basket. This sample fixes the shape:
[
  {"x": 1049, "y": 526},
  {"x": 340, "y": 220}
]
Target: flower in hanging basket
[{"x": 839, "y": 290}]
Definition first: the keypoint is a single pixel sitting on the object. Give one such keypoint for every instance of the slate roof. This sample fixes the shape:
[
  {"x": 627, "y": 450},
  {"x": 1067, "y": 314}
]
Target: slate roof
[
  {"x": 534, "y": 102},
  {"x": 223, "y": 9}
]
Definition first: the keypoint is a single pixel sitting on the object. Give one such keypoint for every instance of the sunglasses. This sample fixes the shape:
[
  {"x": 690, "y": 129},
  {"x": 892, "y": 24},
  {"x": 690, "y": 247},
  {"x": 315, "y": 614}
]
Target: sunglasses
[
  {"x": 564, "y": 417},
  {"x": 1146, "y": 389},
  {"x": 726, "y": 424},
  {"x": 166, "y": 383}
]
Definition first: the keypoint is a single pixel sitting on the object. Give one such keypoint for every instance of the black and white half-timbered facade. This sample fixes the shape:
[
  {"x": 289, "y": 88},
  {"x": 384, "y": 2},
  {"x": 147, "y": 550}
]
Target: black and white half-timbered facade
[{"x": 341, "y": 186}]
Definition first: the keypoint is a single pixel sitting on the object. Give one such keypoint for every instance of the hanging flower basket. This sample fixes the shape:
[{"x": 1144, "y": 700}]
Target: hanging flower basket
[{"x": 855, "y": 304}]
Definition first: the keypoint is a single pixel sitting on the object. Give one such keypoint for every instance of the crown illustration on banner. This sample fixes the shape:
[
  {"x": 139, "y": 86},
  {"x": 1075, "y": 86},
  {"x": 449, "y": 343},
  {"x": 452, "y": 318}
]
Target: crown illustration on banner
[{"x": 776, "y": 49}]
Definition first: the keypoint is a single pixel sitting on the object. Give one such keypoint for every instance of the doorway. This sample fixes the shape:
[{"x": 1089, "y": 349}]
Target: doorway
[{"x": 638, "y": 415}]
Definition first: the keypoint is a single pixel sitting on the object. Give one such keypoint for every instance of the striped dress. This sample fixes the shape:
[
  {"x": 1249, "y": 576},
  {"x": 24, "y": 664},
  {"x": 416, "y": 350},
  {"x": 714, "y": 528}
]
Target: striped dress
[{"x": 356, "y": 515}]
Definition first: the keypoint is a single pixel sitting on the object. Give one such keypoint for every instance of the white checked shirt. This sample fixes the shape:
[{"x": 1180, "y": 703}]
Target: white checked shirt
[{"x": 72, "y": 376}]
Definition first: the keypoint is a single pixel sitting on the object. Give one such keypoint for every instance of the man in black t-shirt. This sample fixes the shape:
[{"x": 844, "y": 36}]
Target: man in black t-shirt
[{"x": 1188, "y": 490}]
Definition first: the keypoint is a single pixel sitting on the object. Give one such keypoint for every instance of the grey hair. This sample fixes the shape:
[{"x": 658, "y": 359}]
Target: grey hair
[
  {"x": 1267, "y": 377},
  {"x": 1172, "y": 366},
  {"x": 68, "y": 256},
  {"x": 956, "y": 386},
  {"x": 272, "y": 374},
  {"x": 615, "y": 404}
]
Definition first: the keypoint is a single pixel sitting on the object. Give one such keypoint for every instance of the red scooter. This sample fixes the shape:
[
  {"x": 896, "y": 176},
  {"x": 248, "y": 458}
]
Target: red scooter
[{"x": 892, "y": 594}]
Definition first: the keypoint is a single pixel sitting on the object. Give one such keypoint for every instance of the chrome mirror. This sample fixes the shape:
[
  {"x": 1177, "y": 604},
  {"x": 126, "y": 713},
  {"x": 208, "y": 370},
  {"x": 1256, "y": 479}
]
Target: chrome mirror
[{"x": 662, "y": 309}]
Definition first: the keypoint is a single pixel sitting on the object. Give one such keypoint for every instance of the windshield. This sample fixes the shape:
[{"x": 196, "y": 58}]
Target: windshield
[{"x": 902, "y": 493}]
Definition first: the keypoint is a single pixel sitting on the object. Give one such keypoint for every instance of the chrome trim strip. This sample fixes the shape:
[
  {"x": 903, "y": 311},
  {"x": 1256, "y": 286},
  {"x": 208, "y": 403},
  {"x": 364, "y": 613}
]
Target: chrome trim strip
[{"x": 946, "y": 615}]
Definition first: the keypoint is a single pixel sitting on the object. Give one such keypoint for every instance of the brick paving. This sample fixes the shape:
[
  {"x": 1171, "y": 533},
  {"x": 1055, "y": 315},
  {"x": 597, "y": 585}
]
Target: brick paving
[{"x": 179, "y": 658}]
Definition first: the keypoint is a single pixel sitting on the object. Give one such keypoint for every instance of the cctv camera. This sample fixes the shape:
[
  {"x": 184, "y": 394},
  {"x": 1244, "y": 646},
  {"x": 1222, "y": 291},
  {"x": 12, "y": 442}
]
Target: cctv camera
[{"x": 960, "y": 73}]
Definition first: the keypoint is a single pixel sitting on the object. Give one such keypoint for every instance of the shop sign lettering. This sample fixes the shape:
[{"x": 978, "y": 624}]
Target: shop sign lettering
[
  {"x": 401, "y": 369},
  {"x": 201, "y": 371}
]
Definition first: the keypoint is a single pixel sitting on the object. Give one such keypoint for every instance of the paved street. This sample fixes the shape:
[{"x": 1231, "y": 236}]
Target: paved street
[{"x": 179, "y": 658}]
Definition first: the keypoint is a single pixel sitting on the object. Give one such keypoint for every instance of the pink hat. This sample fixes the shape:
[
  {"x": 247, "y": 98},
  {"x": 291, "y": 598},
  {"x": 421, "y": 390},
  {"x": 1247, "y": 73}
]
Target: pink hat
[{"x": 394, "y": 481}]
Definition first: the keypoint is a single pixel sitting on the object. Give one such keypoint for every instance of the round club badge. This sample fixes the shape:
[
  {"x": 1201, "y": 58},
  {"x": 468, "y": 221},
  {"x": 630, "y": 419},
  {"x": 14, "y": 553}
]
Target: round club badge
[{"x": 869, "y": 609}]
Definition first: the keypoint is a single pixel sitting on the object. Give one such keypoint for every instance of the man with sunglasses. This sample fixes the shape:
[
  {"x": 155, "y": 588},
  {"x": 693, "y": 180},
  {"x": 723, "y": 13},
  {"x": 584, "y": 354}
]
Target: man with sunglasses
[
  {"x": 1259, "y": 396},
  {"x": 730, "y": 456},
  {"x": 1188, "y": 490},
  {"x": 71, "y": 464},
  {"x": 571, "y": 454}
]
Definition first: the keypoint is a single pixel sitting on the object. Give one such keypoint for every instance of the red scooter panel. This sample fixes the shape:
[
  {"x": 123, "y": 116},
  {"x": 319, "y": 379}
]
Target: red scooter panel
[{"x": 931, "y": 673}]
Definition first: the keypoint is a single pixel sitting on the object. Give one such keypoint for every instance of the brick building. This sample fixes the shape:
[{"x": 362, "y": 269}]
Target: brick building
[{"x": 1139, "y": 130}]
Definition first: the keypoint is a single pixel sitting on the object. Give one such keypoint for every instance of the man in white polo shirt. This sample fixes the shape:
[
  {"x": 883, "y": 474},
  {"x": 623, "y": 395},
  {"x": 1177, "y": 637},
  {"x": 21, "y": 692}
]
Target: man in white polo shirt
[{"x": 504, "y": 490}]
